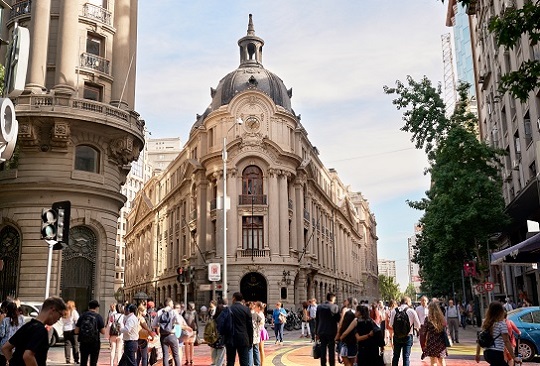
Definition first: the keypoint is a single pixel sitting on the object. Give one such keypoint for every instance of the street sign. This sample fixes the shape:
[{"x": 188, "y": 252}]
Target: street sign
[
  {"x": 489, "y": 286},
  {"x": 205, "y": 287},
  {"x": 214, "y": 272},
  {"x": 219, "y": 287},
  {"x": 480, "y": 288}
]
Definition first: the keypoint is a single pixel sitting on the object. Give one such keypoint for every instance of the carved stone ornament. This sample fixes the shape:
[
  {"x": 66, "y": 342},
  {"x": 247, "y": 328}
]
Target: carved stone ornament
[
  {"x": 253, "y": 268},
  {"x": 122, "y": 150},
  {"x": 28, "y": 135},
  {"x": 60, "y": 135}
]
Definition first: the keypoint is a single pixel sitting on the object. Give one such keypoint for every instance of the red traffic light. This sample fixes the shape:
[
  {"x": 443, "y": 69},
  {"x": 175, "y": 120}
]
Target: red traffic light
[{"x": 180, "y": 270}]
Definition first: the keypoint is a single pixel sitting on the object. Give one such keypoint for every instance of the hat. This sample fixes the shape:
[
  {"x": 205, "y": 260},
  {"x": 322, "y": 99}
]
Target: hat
[{"x": 149, "y": 304}]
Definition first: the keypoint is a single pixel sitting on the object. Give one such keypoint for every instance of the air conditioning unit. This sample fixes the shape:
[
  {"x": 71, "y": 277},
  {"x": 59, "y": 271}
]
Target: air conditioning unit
[
  {"x": 527, "y": 127},
  {"x": 515, "y": 164}
]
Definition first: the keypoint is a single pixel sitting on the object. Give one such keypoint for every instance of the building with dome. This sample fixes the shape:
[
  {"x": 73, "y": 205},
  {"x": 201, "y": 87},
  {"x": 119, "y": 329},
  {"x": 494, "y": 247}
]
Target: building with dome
[{"x": 294, "y": 230}]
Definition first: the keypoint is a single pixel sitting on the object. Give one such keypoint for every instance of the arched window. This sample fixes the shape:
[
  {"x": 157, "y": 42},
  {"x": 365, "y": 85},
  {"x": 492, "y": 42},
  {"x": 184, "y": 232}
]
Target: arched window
[
  {"x": 86, "y": 159},
  {"x": 10, "y": 244},
  {"x": 252, "y": 186}
]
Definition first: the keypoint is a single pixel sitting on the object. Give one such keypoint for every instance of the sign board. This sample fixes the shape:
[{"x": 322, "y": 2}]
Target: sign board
[
  {"x": 205, "y": 287},
  {"x": 214, "y": 272},
  {"x": 219, "y": 287},
  {"x": 489, "y": 286},
  {"x": 480, "y": 288}
]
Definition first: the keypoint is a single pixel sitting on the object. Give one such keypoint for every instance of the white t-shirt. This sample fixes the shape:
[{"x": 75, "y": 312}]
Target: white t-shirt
[
  {"x": 413, "y": 317},
  {"x": 422, "y": 313}
]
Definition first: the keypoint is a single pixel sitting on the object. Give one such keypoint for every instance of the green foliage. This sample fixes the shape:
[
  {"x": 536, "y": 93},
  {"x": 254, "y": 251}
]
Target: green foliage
[
  {"x": 410, "y": 291},
  {"x": 464, "y": 204},
  {"x": 388, "y": 289},
  {"x": 2, "y": 74}
]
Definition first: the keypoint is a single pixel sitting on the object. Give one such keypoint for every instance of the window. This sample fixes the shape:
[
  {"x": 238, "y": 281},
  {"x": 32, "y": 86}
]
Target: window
[
  {"x": 93, "y": 92},
  {"x": 252, "y": 232},
  {"x": 86, "y": 159},
  {"x": 252, "y": 181},
  {"x": 94, "y": 45}
]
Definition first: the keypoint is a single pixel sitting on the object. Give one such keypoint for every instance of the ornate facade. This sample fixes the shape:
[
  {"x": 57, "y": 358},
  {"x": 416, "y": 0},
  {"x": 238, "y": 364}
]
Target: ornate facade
[
  {"x": 78, "y": 135},
  {"x": 294, "y": 230}
]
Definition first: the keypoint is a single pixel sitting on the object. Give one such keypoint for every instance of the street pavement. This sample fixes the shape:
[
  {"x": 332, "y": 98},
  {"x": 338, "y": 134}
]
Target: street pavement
[{"x": 296, "y": 351}]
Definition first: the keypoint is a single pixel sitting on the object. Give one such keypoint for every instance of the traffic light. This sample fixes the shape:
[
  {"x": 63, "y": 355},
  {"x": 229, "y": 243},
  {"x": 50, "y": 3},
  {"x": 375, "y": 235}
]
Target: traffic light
[
  {"x": 469, "y": 269},
  {"x": 55, "y": 224},
  {"x": 181, "y": 275},
  {"x": 191, "y": 273}
]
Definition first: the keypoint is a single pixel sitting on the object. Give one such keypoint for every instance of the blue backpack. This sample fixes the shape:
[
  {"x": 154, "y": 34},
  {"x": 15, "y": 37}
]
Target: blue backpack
[{"x": 224, "y": 323}]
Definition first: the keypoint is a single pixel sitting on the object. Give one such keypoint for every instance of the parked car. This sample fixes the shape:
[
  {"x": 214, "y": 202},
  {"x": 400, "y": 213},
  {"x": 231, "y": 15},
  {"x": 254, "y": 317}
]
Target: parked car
[
  {"x": 56, "y": 331},
  {"x": 527, "y": 321}
]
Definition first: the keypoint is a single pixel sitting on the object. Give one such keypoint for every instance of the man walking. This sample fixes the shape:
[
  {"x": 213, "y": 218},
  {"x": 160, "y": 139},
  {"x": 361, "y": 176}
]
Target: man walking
[
  {"x": 312, "y": 312},
  {"x": 164, "y": 323},
  {"x": 235, "y": 324},
  {"x": 31, "y": 341},
  {"x": 403, "y": 321},
  {"x": 422, "y": 312},
  {"x": 130, "y": 332},
  {"x": 89, "y": 326},
  {"x": 452, "y": 318},
  {"x": 326, "y": 320}
]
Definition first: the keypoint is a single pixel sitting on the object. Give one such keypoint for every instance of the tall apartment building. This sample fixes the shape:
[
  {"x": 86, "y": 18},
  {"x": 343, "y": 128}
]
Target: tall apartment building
[
  {"x": 78, "y": 135},
  {"x": 387, "y": 267},
  {"x": 162, "y": 151},
  {"x": 293, "y": 229},
  {"x": 413, "y": 268},
  {"x": 513, "y": 126}
]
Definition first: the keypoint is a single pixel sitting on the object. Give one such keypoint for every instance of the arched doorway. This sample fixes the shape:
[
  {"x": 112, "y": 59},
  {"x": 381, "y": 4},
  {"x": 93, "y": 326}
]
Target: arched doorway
[
  {"x": 78, "y": 266},
  {"x": 253, "y": 287},
  {"x": 10, "y": 244}
]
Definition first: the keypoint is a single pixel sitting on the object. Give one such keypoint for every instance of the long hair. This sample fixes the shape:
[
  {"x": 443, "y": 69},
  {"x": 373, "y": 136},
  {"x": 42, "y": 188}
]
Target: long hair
[
  {"x": 363, "y": 312},
  {"x": 70, "y": 306},
  {"x": 12, "y": 313},
  {"x": 348, "y": 317},
  {"x": 495, "y": 313},
  {"x": 435, "y": 316}
]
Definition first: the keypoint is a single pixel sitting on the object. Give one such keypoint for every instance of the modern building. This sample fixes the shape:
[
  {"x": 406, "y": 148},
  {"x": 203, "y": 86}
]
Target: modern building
[
  {"x": 78, "y": 135},
  {"x": 413, "y": 268},
  {"x": 387, "y": 267},
  {"x": 513, "y": 126},
  {"x": 292, "y": 230},
  {"x": 162, "y": 151}
]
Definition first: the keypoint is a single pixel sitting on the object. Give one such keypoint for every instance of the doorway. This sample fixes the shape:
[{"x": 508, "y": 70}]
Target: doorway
[{"x": 253, "y": 287}]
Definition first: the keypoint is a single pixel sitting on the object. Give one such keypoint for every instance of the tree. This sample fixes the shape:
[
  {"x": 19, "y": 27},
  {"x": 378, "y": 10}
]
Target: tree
[
  {"x": 508, "y": 28},
  {"x": 410, "y": 291},
  {"x": 464, "y": 205},
  {"x": 388, "y": 289}
]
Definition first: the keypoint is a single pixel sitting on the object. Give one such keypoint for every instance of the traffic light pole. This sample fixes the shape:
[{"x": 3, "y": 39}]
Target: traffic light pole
[{"x": 49, "y": 265}]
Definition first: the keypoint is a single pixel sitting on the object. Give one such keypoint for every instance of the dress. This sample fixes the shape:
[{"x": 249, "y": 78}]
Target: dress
[{"x": 435, "y": 346}]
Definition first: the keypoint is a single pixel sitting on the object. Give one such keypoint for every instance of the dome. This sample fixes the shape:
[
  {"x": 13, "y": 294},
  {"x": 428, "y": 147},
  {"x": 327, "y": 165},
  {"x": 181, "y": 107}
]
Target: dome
[{"x": 250, "y": 75}]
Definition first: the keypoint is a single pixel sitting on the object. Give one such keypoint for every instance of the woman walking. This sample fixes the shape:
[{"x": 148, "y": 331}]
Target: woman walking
[
  {"x": 435, "y": 347},
  {"x": 70, "y": 338},
  {"x": 389, "y": 333},
  {"x": 116, "y": 341},
  {"x": 9, "y": 325},
  {"x": 190, "y": 316},
  {"x": 496, "y": 326},
  {"x": 305, "y": 320},
  {"x": 260, "y": 308},
  {"x": 218, "y": 348},
  {"x": 145, "y": 334},
  {"x": 346, "y": 335},
  {"x": 277, "y": 316}
]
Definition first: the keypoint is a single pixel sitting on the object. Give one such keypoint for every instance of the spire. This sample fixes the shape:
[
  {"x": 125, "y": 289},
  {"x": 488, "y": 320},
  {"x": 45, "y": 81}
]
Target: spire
[{"x": 250, "y": 47}]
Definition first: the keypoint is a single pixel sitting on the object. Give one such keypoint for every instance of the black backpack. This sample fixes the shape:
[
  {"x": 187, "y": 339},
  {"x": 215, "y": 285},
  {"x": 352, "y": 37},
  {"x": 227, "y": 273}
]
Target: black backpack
[
  {"x": 114, "y": 330},
  {"x": 166, "y": 323},
  {"x": 485, "y": 338},
  {"x": 402, "y": 324},
  {"x": 88, "y": 331}
]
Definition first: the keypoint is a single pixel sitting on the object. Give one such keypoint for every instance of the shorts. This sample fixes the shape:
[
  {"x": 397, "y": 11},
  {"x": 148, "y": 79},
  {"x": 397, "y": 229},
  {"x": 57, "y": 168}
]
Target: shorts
[{"x": 348, "y": 351}]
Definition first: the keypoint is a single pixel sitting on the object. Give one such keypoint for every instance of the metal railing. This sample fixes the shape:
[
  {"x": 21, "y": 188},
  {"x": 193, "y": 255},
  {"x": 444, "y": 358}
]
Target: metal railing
[
  {"x": 20, "y": 8},
  {"x": 97, "y": 13},
  {"x": 290, "y": 205},
  {"x": 248, "y": 199},
  {"x": 254, "y": 253},
  {"x": 95, "y": 62}
]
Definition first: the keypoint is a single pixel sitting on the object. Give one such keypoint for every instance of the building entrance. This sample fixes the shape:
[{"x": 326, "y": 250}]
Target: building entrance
[{"x": 253, "y": 287}]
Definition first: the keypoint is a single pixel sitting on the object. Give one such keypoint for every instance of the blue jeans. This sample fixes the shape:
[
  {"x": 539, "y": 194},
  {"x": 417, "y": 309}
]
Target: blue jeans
[
  {"x": 278, "y": 331},
  {"x": 218, "y": 356},
  {"x": 128, "y": 358},
  {"x": 171, "y": 341},
  {"x": 255, "y": 356},
  {"x": 404, "y": 346},
  {"x": 142, "y": 352},
  {"x": 243, "y": 354}
]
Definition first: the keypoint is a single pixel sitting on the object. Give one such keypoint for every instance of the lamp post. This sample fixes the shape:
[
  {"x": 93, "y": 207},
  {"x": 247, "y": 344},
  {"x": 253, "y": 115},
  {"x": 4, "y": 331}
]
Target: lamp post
[{"x": 224, "y": 157}]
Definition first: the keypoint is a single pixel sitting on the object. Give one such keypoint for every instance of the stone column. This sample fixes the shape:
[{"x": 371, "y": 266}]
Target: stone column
[
  {"x": 219, "y": 214},
  {"x": 121, "y": 53},
  {"x": 202, "y": 214},
  {"x": 309, "y": 246},
  {"x": 232, "y": 219},
  {"x": 283, "y": 216},
  {"x": 299, "y": 217},
  {"x": 273, "y": 213},
  {"x": 39, "y": 43},
  {"x": 132, "y": 75},
  {"x": 67, "y": 48},
  {"x": 293, "y": 244}
]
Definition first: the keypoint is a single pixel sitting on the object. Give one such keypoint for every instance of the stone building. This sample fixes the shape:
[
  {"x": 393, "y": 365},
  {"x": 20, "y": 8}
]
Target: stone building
[
  {"x": 294, "y": 230},
  {"x": 78, "y": 135}
]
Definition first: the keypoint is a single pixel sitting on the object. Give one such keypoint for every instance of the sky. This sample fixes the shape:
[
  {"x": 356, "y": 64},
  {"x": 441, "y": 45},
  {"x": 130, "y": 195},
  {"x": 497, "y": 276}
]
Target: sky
[{"x": 336, "y": 55}]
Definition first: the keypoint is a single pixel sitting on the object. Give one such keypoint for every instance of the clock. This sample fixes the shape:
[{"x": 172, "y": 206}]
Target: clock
[{"x": 252, "y": 123}]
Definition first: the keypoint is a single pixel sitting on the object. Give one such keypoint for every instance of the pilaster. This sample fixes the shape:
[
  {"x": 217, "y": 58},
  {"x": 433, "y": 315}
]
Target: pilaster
[
  {"x": 67, "y": 48},
  {"x": 39, "y": 42}
]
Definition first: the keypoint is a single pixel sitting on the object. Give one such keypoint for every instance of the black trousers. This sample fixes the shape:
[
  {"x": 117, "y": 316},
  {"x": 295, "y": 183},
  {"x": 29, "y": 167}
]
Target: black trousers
[
  {"x": 328, "y": 347},
  {"x": 89, "y": 349}
]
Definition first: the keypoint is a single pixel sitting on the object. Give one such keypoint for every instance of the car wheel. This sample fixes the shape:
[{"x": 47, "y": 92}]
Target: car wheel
[
  {"x": 53, "y": 340},
  {"x": 527, "y": 350}
]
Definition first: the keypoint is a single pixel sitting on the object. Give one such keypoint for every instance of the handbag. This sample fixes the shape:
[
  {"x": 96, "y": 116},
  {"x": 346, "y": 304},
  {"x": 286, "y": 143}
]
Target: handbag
[
  {"x": 282, "y": 318},
  {"x": 316, "y": 351},
  {"x": 446, "y": 339},
  {"x": 387, "y": 356}
]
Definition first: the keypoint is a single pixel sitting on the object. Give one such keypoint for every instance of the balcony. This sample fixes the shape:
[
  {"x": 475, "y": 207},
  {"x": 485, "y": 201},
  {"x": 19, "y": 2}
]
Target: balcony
[
  {"x": 20, "y": 8},
  {"x": 95, "y": 62},
  {"x": 95, "y": 12},
  {"x": 249, "y": 199},
  {"x": 259, "y": 253}
]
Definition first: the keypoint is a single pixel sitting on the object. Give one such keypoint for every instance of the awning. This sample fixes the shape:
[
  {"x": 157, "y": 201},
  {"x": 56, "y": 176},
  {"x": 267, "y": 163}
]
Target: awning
[{"x": 528, "y": 251}]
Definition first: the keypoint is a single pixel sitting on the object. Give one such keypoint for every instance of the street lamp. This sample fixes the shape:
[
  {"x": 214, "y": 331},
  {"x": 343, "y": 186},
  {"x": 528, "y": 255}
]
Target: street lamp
[{"x": 224, "y": 156}]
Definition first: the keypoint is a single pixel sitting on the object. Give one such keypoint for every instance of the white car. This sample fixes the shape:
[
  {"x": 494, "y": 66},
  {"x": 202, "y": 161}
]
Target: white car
[{"x": 31, "y": 310}]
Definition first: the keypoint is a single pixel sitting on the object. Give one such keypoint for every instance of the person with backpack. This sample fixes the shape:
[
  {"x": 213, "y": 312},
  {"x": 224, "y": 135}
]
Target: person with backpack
[
  {"x": 403, "y": 321},
  {"x": 116, "y": 341},
  {"x": 89, "y": 327},
  {"x": 493, "y": 337},
  {"x": 163, "y": 324},
  {"x": 212, "y": 336}
]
